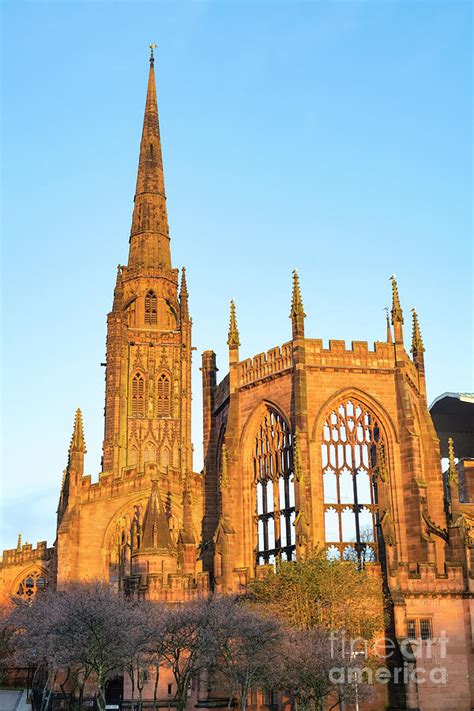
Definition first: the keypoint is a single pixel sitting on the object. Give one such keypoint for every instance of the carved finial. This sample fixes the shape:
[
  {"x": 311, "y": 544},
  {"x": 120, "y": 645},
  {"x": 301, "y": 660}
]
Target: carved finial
[
  {"x": 233, "y": 337},
  {"x": 183, "y": 296},
  {"x": 397, "y": 314},
  {"x": 389, "y": 330},
  {"x": 452, "y": 471},
  {"x": 78, "y": 443},
  {"x": 18, "y": 545},
  {"x": 417, "y": 347},
  {"x": 152, "y": 56},
  {"x": 296, "y": 300}
]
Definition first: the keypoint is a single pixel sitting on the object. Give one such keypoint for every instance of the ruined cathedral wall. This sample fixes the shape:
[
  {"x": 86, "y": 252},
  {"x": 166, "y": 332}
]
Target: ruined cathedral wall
[{"x": 17, "y": 564}]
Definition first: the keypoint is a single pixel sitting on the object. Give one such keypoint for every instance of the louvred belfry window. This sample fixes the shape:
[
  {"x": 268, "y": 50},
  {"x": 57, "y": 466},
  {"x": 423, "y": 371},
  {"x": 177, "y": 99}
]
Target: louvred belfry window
[
  {"x": 151, "y": 313},
  {"x": 353, "y": 458},
  {"x": 274, "y": 478},
  {"x": 164, "y": 396},
  {"x": 138, "y": 395}
]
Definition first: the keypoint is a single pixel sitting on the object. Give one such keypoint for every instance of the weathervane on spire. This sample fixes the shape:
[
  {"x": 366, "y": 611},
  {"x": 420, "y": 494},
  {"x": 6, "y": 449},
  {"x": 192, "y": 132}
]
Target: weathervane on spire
[{"x": 152, "y": 56}]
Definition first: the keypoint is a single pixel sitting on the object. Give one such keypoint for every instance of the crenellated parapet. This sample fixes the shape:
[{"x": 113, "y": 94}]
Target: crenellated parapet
[
  {"x": 27, "y": 553},
  {"x": 265, "y": 365}
]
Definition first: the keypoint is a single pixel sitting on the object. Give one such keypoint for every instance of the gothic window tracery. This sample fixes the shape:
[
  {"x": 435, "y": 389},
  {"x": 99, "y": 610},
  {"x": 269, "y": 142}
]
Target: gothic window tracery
[
  {"x": 32, "y": 584},
  {"x": 164, "y": 396},
  {"x": 151, "y": 310},
  {"x": 353, "y": 459},
  {"x": 138, "y": 395},
  {"x": 275, "y": 491},
  {"x": 150, "y": 453}
]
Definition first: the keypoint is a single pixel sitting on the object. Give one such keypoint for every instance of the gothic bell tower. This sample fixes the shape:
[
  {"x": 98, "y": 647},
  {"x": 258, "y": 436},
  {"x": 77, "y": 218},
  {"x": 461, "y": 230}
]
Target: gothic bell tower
[{"x": 148, "y": 374}]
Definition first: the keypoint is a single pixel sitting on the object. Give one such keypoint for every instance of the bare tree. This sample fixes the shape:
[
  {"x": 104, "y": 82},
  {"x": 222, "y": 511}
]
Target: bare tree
[
  {"x": 183, "y": 645},
  {"x": 244, "y": 646}
]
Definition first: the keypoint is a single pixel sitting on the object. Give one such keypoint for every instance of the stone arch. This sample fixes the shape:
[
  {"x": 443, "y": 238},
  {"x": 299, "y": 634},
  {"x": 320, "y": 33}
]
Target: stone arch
[
  {"x": 268, "y": 489},
  {"x": 255, "y": 416},
  {"x": 354, "y": 437},
  {"x": 361, "y": 395},
  {"x": 32, "y": 579}
]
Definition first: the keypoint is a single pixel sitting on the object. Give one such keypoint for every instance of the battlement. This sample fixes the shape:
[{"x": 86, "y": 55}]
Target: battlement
[
  {"x": 425, "y": 579},
  {"x": 26, "y": 553},
  {"x": 359, "y": 355},
  {"x": 266, "y": 364},
  {"x": 131, "y": 481}
]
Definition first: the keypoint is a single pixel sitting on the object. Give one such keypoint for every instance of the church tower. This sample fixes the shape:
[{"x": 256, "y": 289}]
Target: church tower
[{"x": 148, "y": 376}]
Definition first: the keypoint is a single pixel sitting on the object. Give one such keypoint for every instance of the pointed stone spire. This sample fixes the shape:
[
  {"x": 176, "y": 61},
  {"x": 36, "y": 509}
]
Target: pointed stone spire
[
  {"x": 417, "y": 347},
  {"x": 233, "y": 340},
  {"x": 297, "y": 313},
  {"x": 183, "y": 296},
  {"x": 118, "y": 291},
  {"x": 156, "y": 532},
  {"x": 389, "y": 330},
  {"x": 149, "y": 236},
  {"x": 452, "y": 470},
  {"x": 18, "y": 545},
  {"x": 397, "y": 313},
  {"x": 78, "y": 443}
]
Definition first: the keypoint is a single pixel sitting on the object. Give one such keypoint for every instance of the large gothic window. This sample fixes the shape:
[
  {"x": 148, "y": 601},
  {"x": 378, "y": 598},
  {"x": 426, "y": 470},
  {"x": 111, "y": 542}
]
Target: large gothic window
[
  {"x": 151, "y": 312},
  {"x": 32, "y": 584},
  {"x": 273, "y": 472},
  {"x": 353, "y": 458},
  {"x": 164, "y": 396},
  {"x": 138, "y": 395}
]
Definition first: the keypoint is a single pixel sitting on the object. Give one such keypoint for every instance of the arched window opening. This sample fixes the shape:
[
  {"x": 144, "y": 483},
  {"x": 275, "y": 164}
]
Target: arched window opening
[
  {"x": 151, "y": 312},
  {"x": 274, "y": 479},
  {"x": 164, "y": 396},
  {"x": 138, "y": 395},
  {"x": 31, "y": 585},
  {"x": 352, "y": 452},
  {"x": 149, "y": 453}
]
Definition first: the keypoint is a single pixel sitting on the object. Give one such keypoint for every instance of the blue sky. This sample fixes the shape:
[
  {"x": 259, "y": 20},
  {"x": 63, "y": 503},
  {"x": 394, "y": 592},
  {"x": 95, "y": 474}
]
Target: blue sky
[{"x": 330, "y": 136}]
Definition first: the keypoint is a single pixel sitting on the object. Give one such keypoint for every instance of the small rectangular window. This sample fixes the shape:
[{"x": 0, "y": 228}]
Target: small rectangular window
[
  {"x": 170, "y": 689},
  {"x": 411, "y": 629}
]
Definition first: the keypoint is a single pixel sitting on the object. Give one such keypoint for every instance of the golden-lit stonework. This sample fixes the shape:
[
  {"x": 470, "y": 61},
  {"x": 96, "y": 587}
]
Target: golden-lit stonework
[{"x": 306, "y": 445}]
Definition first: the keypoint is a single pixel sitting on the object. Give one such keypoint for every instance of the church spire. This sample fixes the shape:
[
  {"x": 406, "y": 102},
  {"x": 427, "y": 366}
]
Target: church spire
[
  {"x": 149, "y": 236},
  {"x": 389, "y": 330},
  {"x": 156, "y": 533}
]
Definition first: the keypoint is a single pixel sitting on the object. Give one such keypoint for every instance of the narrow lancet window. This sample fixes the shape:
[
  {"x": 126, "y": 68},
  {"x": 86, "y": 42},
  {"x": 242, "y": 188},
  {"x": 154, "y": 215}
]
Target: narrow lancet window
[
  {"x": 151, "y": 312},
  {"x": 138, "y": 395},
  {"x": 164, "y": 396}
]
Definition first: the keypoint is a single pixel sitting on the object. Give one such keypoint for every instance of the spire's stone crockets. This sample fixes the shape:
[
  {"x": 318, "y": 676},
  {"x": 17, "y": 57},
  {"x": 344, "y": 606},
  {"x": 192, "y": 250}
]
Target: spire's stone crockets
[
  {"x": 156, "y": 532},
  {"x": 149, "y": 236},
  {"x": 417, "y": 347},
  {"x": 78, "y": 443},
  {"x": 233, "y": 339},
  {"x": 397, "y": 313},
  {"x": 183, "y": 296},
  {"x": 297, "y": 313}
]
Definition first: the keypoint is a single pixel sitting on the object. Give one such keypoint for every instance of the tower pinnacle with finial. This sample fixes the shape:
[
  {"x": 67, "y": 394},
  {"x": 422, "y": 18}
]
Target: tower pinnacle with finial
[
  {"x": 233, "y": 340},
  {"x": 417, "y": 347},
  {"x": 183, "y": 296},
  {"x": 297, "y": 313},
  {"x": 389, "y": 330},
  {"x": 397, "y": 313},
  {"x": 78, "y": 443}
]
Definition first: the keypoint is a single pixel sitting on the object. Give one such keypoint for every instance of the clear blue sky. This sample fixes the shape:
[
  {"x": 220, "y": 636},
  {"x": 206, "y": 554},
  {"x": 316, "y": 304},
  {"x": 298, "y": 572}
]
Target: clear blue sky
[{"x": 330, "y": 136}]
